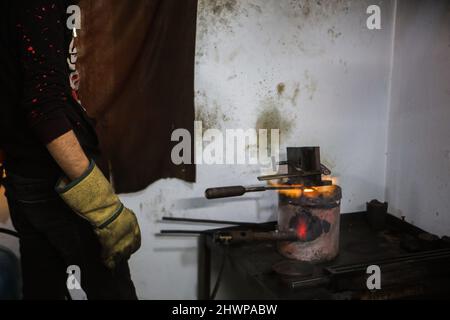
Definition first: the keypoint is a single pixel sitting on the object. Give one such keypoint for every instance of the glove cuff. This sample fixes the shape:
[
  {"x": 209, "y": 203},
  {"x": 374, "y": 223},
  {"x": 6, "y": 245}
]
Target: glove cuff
[
  {"x": 63, "y": 187},
  {"x": 91, "y": 196}
]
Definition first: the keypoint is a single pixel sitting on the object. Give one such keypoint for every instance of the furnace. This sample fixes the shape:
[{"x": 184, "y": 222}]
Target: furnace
[
  {"x": 313, "y": 213},
  {"x": 308, "y": 206}
]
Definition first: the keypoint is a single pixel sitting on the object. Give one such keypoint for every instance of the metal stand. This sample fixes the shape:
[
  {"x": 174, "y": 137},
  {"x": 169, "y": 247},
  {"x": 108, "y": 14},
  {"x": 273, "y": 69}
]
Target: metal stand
[{"x": 204, "y": 268}]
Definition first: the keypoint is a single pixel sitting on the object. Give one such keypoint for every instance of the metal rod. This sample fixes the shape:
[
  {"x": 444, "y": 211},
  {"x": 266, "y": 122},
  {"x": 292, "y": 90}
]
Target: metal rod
[
  {"x": 181, "y": 232},
  {"x": 278, "y": 176},
  {"x": 204, "y": 268},
  {"x": 235, "y": 191},
  {"x": 228, "y": 237},
  {"x": 190, "y": 220}
]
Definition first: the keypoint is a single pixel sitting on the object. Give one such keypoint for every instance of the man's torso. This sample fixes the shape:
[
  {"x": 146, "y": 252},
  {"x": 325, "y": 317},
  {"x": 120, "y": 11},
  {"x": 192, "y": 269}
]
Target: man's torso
[{"x": 25, "y": 154}]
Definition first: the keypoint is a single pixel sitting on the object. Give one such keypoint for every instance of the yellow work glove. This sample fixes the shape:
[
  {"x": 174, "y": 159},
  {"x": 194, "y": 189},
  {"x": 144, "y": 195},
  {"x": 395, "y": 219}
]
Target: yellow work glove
[{"x": 92, "y": 197}]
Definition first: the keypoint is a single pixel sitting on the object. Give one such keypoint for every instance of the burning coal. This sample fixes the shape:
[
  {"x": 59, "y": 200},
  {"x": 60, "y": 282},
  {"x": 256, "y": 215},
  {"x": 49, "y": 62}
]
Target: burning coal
[{"x": 308, "y": 226}]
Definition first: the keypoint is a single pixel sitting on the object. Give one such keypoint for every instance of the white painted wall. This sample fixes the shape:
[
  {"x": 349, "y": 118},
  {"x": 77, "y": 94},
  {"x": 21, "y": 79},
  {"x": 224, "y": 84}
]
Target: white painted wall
[
  {"x": 418, "y": 166},
  {"x": 337, "y": 77}
]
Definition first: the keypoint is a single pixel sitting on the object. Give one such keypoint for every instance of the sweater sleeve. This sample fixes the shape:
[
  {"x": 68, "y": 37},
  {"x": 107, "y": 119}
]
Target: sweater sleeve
[{"x": 40, "y": 27}]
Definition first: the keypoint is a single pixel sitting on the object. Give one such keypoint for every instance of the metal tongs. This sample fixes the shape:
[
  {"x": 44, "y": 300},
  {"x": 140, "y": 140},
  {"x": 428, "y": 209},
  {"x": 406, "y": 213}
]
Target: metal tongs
[
  {"x": 236, "y": 191},
  {"x": 251, "y": 232},
  {"x": 304, "y": 170}
]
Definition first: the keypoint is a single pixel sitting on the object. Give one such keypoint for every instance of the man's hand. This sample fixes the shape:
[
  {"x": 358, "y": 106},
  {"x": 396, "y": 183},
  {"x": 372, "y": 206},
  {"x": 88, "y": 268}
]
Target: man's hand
[{"x": 91, "y": 196}]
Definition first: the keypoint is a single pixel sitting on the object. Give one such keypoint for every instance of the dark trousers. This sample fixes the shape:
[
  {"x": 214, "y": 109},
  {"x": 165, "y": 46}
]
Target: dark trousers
[{"x": 52, "y": 238}]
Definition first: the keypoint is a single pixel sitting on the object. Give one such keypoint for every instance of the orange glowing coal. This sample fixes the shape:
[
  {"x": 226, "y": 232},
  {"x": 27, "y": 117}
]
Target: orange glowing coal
[
  {"x": 291, "y": 193},
  {"x": 302, "y": 229}
]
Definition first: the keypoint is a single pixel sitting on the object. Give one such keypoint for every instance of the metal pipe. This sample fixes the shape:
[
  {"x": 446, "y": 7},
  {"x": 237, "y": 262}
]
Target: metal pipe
[
  {"x": 237, "y": 236},
  {"x": 208, "y": 221},
  {"x": 182, "y": 232},
  {"x": 236, "y": 191}
]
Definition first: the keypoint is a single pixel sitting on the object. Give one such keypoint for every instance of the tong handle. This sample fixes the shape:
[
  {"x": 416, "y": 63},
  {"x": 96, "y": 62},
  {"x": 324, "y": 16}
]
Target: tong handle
[{"x": 225, "y": 192}]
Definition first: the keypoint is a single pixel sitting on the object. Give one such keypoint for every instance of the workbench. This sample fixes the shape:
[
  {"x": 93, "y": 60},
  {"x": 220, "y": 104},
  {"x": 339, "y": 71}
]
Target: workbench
[{"x": 413, "y": 264}]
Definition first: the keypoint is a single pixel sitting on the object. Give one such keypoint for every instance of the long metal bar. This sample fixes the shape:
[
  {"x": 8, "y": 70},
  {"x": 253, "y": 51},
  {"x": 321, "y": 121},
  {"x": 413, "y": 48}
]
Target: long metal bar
[
  {"x": 236, "y": 191},
  {"x": 287, "y": 175},
  {"x": 225, "y": 222},
  {"x": 181, "y": 232},
  {"x": 204, "y": 268}
]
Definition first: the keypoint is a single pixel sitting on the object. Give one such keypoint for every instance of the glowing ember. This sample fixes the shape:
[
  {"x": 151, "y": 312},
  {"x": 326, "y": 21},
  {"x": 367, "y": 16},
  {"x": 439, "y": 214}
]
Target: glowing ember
[
  {"x": 292, "y": 193},
  {"x": 302, "y": 229},
  {"x": 297, "y": 191}
]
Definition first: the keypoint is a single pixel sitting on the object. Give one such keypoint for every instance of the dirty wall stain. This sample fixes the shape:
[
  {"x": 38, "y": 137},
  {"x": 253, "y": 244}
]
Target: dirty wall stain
[
  {"x": 271, "y": 116},
  {"x": 280, "y": 88},
  {"x": 218, "y": 7},
  {"x": 295, "y": 95},
  {"x": 315, "y": 10},
  {"x": 216, "y": 16},
  {"x": 310, "y": 85},
  {"x": 209, "y": 113},
  {"x": 288, "y": 92}
]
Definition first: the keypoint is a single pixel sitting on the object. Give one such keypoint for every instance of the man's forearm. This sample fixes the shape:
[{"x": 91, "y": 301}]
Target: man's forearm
[{"x": 69, "y": 155}]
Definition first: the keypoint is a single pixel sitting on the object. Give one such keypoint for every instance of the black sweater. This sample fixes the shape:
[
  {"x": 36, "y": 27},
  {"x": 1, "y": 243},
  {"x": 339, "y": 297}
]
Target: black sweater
[{"x": 37, "y": 101}]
